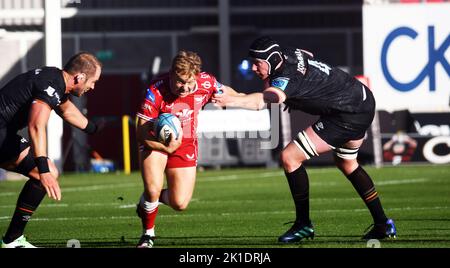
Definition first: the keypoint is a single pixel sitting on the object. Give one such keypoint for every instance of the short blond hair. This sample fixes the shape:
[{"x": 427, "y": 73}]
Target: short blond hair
[
  {"x": 186, "y": 63},
  {"x": 83, "y": 62}
]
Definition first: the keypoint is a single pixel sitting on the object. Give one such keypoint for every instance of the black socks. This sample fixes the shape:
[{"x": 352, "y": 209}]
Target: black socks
[
  {"x": 299, "y": 186},
  {"x": 364, "y": 186},
  {"x": 29, "y": 199}
]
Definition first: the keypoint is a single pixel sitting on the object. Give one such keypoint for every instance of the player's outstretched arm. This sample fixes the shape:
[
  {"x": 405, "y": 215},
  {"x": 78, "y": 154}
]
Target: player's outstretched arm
[
  {"x": 72, "y": 115},
  {"x": 230, "y": 91},
  {"x": 253, "y": 101}
]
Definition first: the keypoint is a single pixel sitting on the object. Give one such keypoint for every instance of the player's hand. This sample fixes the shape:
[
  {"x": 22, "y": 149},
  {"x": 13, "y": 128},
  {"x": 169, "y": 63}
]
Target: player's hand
[
  {"x": 51, "y": 185},
  {"x": 221, "y": 100},
  {"x": 174, "y": 143}
]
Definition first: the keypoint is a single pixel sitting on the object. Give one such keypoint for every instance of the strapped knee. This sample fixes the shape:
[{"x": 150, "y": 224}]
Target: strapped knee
[
  {"x": 305, "y": 145},
  {"x": 346, "y": 153}
]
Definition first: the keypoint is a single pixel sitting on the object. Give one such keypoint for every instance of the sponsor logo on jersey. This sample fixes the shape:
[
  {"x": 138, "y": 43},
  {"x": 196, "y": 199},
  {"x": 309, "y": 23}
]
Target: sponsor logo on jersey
[
  {"x": 190, "y": 157},
  {"x": 301, "y": 62},
  {"x": 52, "y": 93},
  {"x": 150, "y": 96},
  {"x": 147, "y": 106},
  {"x": 37, "y": 71},
  {"x": 185, "y": 115},
  {"x": 280, "y": 82},
  {"x": 206, "y": 85},
  {"x": 204, "y": 75},
  {"x": 23, "y": 140},
  {"x": 319, "y": 126},
  {"x": 200, "y": 99}
]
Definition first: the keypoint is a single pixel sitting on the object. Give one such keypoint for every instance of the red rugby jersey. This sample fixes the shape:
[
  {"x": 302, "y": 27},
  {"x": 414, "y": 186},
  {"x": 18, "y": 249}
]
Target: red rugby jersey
[{"x": 158, "y": 99}]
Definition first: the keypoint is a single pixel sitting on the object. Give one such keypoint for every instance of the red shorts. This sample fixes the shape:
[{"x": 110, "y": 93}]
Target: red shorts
[{"x": 185, "y": 156}]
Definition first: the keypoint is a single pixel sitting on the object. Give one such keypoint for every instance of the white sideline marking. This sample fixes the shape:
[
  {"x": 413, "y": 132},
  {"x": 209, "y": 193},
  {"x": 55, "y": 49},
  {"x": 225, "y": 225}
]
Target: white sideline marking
[
  {"x": 409, "y": 181},
  {"x": 223, "y": 178},
  {"x": 195, "y": 200},
  {"x": 8, "y": 193},
  {"x": 75, "y": 205},
  {"x": 100, "y": 187},
  {"x": 7, "y": 218}
]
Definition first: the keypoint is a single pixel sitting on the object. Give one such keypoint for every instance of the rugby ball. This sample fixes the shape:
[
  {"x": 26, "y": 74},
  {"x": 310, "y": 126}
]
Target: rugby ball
[{"x": 165, "y": 125}]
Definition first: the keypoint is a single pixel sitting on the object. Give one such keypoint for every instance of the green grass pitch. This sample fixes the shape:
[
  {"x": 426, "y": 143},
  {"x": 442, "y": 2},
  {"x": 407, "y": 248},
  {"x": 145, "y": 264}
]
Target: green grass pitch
[{"x": 241, "y": 208}]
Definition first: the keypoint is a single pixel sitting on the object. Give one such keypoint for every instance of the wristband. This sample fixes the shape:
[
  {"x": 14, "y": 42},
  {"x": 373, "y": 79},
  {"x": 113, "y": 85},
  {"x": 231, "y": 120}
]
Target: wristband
[
  {"x": 42, "y": 164},
  {"x": 91, "y": 127}
]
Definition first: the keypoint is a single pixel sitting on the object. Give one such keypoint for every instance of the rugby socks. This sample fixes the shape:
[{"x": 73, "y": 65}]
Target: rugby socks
[
  {"x": 150, "y": 232},
  {"x": 29, "y": 199},
  {"x": 299, "y": 186},
  {"x": 147, "y": 212},
  {"x": 363, "y": 184}
]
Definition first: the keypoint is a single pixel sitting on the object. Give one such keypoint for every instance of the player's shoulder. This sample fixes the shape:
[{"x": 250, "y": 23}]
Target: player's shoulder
[
  {"x": 48, "y": 77},
  {"x": 204, "y": 76},
  {"x": 47, "y": 73},
  {"x": 207, "y": 81}
]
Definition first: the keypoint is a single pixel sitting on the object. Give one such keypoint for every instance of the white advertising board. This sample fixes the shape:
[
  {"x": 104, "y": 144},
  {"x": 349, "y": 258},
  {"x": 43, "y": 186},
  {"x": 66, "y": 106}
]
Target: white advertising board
[
  {"x": 233, "y": 120},
  {"x": 406, "y": 55}
]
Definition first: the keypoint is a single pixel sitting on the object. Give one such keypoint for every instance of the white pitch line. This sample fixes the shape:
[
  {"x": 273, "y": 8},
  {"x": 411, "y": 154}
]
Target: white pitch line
[
  {"x": 7, "y": 218},
  {"x": 100, "y": 187},
  {"x": 76, "y": 205},
  {"x": 9, "y": 193},
  {"x": 407, "y": 181},
  {"x": 222, "y": 178}
]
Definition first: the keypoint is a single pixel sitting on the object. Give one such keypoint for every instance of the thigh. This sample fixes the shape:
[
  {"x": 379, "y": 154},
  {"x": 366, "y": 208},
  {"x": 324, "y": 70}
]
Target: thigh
[
  {"x": 306, "y": 144},
  {"x": 185, "y": 156},
  {"x": 181, "y": 183},
  {"x": 12, "y": 147},
  {"x": 153, "y": 164},
  {"x": 354, "y": 144}
]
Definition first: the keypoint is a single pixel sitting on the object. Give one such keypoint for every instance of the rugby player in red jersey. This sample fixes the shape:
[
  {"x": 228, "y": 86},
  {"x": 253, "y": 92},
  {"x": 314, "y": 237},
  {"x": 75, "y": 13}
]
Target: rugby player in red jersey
[{"x": 183, "y": 91}]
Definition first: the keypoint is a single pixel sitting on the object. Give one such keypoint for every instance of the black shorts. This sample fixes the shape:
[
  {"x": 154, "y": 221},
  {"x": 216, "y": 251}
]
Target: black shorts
[
  {"x": 340, "y": 128},
  {"x": 11, "y": 145}
]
